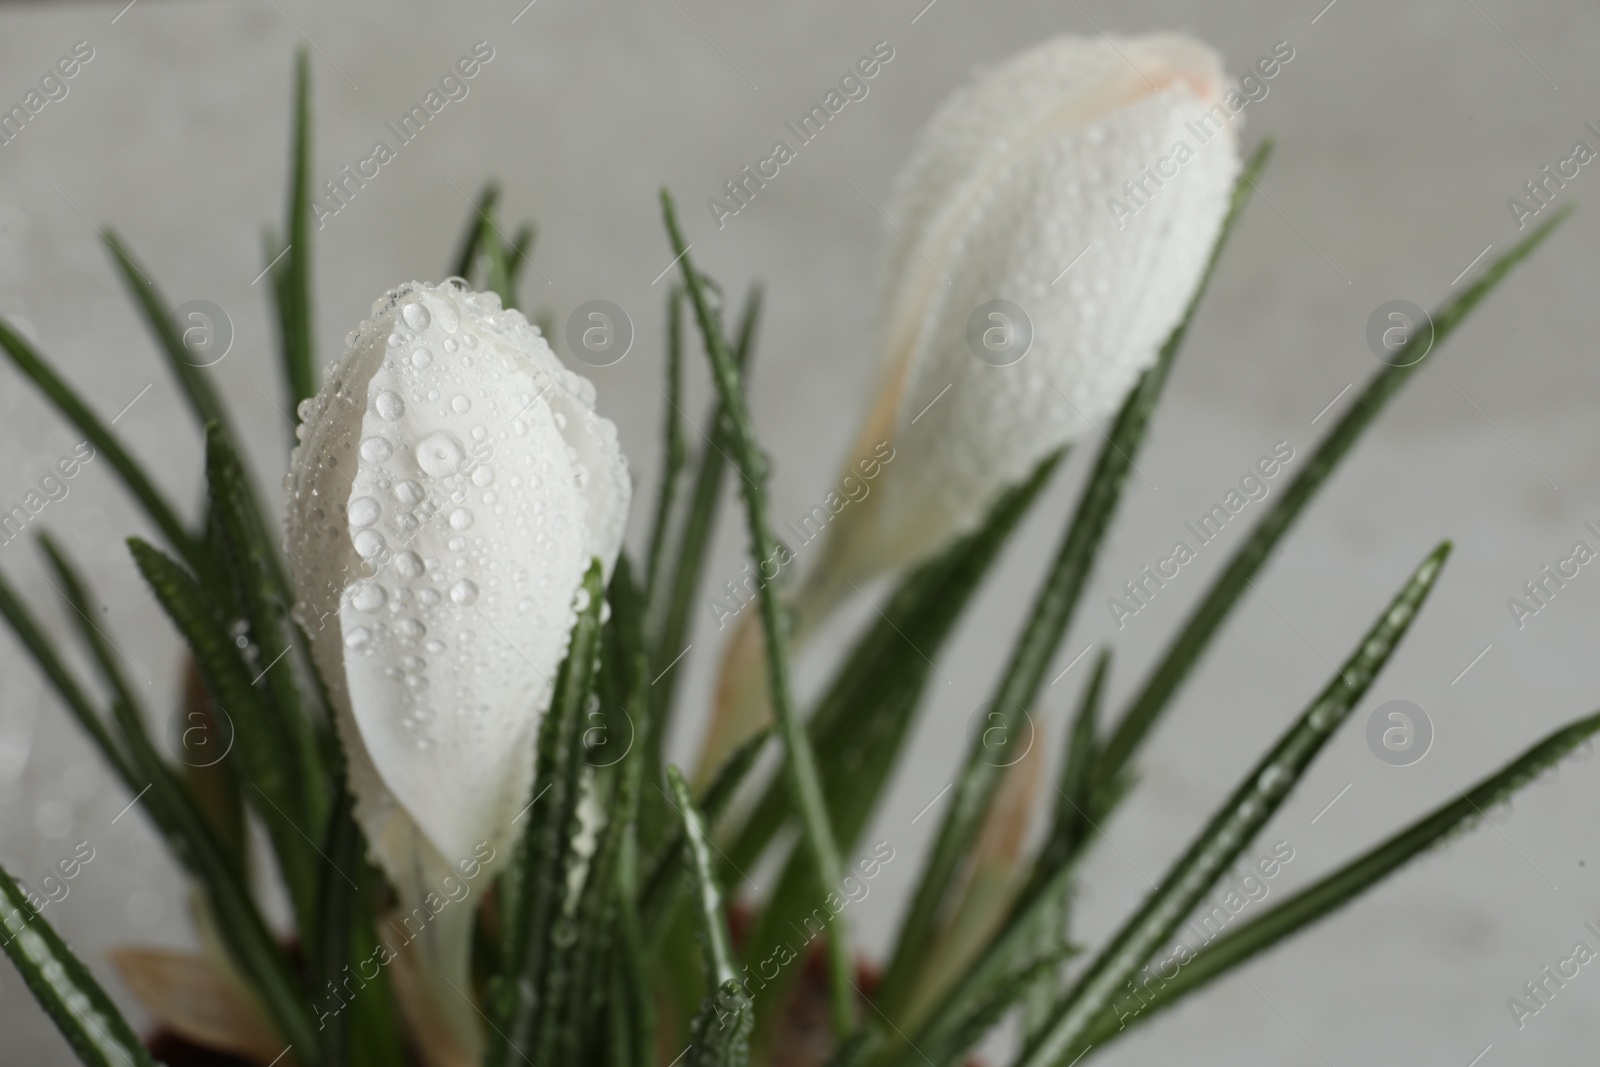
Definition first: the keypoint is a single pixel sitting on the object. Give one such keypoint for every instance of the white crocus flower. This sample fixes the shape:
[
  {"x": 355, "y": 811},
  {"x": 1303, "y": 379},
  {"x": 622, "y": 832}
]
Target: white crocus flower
[
  {"x": 1082, "y": 183},
  {"x": 451, "y": 486}
]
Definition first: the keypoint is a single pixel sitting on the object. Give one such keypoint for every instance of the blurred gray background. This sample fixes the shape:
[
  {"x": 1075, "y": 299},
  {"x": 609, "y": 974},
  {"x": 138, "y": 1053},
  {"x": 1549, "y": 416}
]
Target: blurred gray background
[{"x": 1402, "y": 130}]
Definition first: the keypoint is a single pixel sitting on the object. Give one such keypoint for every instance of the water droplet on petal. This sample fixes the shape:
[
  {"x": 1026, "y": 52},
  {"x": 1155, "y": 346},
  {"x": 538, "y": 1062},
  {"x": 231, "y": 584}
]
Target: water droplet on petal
[
  {"x": 364, "y": 511},
  {"x": 389, "y": 405},
  {"x": 369, "y": 543},
  {"x": 408, "y": 565},
  {"x": 461, "y": 519},
  {"x": 410, "y": 628},
  {"x": 440, "y": 454},
  {"x": 376, "y": 449},
  {"x": 421, "y": 358},
  {"x": 367, "y": 596},
  {"x": 460, "y": 404},
  {"x": 464, "y": 592},
  {"x": 360, "y": 637},
  {"x": 483, "y": 475},
  {"x": 416, "y": 316},
  {"x": 408, "y": 492}
]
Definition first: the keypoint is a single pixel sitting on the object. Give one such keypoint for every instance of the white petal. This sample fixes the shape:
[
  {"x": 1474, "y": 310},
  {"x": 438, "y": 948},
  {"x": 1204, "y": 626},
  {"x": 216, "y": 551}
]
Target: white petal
[
  {"x": 1009, "y": 183},
  {"x": 439, "y": 526}
]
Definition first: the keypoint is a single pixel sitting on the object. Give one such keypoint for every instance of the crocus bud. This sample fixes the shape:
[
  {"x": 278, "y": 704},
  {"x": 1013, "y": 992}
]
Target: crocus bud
[
  {"x": 451, "y": 486},
  {"x": 1046, "y": 235},
  {"x": 1048, "y": 231}
]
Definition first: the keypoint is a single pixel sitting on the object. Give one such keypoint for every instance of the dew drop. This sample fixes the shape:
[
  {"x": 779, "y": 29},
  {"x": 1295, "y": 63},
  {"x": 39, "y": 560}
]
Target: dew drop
[
  {"x": 440, "y": 454},
  {"x": 408, "y": 565},
  {"x": 461, "y": 519},
  {"x": 410, "y": 628},
  {"x": 360, "y": 637},
  {"x": 414, "y": 664},
  {"x": 421, "y": 358},
  {"x": 460, "y": 404},
  {"x": 367, "y": 596},
  {"x": 389, "y": 405},
  {"x": 376, "y": 449},
  {"x": 364, "y": 511},
  {"x": 483, "y": 475},
  {"x": 448, "y": 317},
  {"x": 416, "y": 316},
  {"x": 464, "y": 592},
  {"x": 408, "y": 492},
  {"x": 369, "y": 543}
]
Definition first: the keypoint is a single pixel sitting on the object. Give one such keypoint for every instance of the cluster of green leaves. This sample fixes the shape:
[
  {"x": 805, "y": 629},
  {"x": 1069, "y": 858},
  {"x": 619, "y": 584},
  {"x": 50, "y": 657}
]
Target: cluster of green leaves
[{"x": 608, "y": 936}]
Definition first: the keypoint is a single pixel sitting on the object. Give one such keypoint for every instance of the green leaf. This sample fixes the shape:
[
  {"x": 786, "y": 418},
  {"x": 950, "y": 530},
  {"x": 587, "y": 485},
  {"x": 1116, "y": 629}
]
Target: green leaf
[
  {"x": 100, "y": 436},
  {"x": 1254, "y": 801},
  {"x": 658, "y": 899},
  {"x": 263, "y": 749},
  {"x": 158, "y": 316},
  {"x": 673, "y": 454},
  {"x": 721, "y": 1032},
  {"x": 466, "y": 257},
  {"x": 48, "y": 661},
  {"x": 251, "y": 568},
  {"x": 1037, "y": 923},
  {"x": 715, "y": 941},
  {"x": 1335, "y": 890},
  {"x": 293, "y": 271},
  {"x": 517, "y": 256},
  {"x": 64, "y": 987},
  {"x": 175, "y": 811},
  {"x": 667, "y": 616},
  {"x": 573, "y": 1010},
  {"x": 1041, "y": 637},
  {"x": 860, "y": 726},
  {"x": 1207, "y": 617},
  {"x": 801, "y": 760},
  {"x": 498, "y": 277},
  {"x": 537, "y": 899}
]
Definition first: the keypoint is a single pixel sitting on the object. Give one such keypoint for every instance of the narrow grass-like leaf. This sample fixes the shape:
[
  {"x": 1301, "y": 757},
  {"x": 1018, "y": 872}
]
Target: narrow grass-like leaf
[
  {"x": 800, "y": 759},
  {"x": 860, "y": 726},
  {"x": 546, "y": 857},
  {"x": 63, "y": 986},
  {"x": 722, "y": 1029},
  {"x": 250, "y": 565},
  {"x": 99, "y": 434},
  {"x": 497, "y": 278},
  {"x": 45, "y": 657},
  {"x": 656, "y": 903},
  {"x": 193, "y": 840},
  {"x": 710, "y": 906},
  {"x": 466, "y": 257},
  {"x": 1230, "y": 830},
  {"x": 668, "y": 631},
  {"x": 1042, "y": 634},
  {"x": 294, "y": 291},
  {"x": 673, "y": 453},
  {"x": 519, "y": 253},
  {"x": 195, "y": 383},
  {"x": 263, "y": 750},
  {"x": 1335, "y": 890},
  {"x": 574, "y": 1008},
  {"x": 1206, "y": 619}
]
